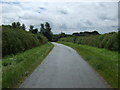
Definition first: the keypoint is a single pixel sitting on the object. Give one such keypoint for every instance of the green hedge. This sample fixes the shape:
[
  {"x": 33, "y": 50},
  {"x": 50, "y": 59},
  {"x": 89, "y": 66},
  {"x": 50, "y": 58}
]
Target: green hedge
[
  {"x": 16, "y": 40},
  {"x": 42, "y": 39},
  {"x": 108, "y": 41}
]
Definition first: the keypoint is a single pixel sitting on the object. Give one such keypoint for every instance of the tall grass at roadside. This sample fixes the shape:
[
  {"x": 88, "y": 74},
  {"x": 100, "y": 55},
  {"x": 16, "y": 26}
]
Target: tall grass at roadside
[
  {"x": 105, "y": 62},
  {"x": 17, "y": 67}
]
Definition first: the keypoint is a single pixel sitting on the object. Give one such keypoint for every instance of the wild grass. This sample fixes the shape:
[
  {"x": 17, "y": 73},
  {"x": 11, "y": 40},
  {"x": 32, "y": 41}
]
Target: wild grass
[
  {"x": 17, "y": 67},
  {"x": 105, "y": 62}
]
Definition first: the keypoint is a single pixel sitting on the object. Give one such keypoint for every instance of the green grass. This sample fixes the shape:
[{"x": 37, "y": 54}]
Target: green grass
[
  {"x": 105, "y": 62},
  {"x": 17, "y": 67}
]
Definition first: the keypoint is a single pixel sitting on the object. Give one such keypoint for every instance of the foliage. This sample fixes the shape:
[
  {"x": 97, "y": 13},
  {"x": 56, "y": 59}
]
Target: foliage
[
  {"x": 31, "y": 28},
  {"x": 85, "y": 33},
  {"x": 17, "y": 67},
  {"x": 56, "y": 37},
  {"x": 76, "y": 34},
  {"x": 42, "y": 39},
  {"x": 105, "y": 62},
  {"x": 16, "y": 25},
  {"x": 17, "y": 40},
  {"x": 46, "y": 31},
  {"x": 108, "y": 41},
  {"x": 62, "y": 35},
  {"x": 35, "y": 31},
  {"x": 23, "y": 26},
  {"x": 42, "y": 28}
]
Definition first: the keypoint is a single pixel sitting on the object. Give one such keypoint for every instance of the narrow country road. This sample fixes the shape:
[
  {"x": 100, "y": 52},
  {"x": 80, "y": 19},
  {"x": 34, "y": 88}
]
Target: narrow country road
[{"x": 64, "y": 68}]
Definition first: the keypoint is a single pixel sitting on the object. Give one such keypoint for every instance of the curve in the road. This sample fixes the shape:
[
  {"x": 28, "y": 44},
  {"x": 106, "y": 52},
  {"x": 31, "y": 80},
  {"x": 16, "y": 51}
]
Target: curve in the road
[{"x": 64, "y": 68}]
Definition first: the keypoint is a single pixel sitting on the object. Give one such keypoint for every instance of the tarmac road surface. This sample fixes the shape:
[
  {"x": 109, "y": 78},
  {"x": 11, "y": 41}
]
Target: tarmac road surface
[{"x": 64, "y": 68}]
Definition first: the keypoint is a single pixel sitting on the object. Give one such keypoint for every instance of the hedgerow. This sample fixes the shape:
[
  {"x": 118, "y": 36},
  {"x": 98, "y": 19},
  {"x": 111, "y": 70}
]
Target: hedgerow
[
  {"x": 108, "y": 41},
  {"x": 15, "y": 40}
]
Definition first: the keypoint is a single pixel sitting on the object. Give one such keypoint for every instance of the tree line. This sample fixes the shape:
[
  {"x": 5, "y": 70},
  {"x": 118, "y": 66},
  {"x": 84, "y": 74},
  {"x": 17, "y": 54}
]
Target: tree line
[
  {"x": 85, "y": 33},
  {"x": 45, "y": 29}
]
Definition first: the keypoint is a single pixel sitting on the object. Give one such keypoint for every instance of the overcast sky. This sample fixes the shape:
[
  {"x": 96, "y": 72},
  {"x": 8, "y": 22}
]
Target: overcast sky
[{"x": 63, "y": 16}]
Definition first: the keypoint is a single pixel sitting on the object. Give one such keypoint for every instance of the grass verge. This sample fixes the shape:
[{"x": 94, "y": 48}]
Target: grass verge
[
  {"x": 105, "y": 62},
  {"x": 17, "y": 67}
]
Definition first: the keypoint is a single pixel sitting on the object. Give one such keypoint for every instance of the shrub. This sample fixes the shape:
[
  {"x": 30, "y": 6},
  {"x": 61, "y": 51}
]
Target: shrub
[
  {"x": 108, "y": 41},
  {"x": 41, "y": 38},
  {"x": 16, "y": 40}
]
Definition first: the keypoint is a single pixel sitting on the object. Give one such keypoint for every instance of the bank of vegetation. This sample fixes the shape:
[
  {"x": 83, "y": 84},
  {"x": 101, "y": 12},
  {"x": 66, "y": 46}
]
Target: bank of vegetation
[
  {"x": 104, "y": 61},
  {"x": 107, "y": 41},
  {"x": 101, "y": 51},
  {"x": 17, "y": 67},
  {"x": 16, "y": 39},
  {"x": 22, "y": 51}
]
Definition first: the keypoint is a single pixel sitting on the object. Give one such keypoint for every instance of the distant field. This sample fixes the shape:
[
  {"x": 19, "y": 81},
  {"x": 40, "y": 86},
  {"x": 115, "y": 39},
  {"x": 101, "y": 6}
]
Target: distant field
[
  {"x": 105, "y": 62},
  {"x": 17, "y": 67}
]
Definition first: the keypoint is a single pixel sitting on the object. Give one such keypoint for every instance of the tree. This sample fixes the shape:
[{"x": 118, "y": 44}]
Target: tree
[
  {"x": 95, "y": 33},
  {"x": 81, "y": 34},
  {"x": 62, "y": 35},
  {"x": 88, "y": 33},
  {"x": 34, "y": 31},
  {"x": 76, "y": 34},
  {"x": 14, "y": 25},
  {"x": 46, "y": 31},
  {"x": 23, "y": 26},
  {"x": 42, "y": 28},
  {"x": 18, "y": 24},
  {"x": 47, "y": 25},
  {"x": 31, "y": 28}
]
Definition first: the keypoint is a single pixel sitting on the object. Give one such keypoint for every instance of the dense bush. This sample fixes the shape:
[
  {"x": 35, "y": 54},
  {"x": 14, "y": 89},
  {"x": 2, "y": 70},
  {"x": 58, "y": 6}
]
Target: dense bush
[
  {"x": 41, "y": 38},
  {"x": 108, "y": 41},
  {"x": 16, "y": 40}
]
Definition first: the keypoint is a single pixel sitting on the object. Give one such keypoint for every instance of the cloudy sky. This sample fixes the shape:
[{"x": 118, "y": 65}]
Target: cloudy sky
[{"x": 63, "y": 16}]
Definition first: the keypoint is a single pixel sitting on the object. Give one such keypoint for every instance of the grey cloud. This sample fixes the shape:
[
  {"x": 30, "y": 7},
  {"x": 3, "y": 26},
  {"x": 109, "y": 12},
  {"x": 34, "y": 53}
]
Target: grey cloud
[
  {"x": 42, "y": 8},
  {"x": 102, "y": 17},
  {"x": 3, "y": 2},
  {"x": 63, "y": 12},
  {"x": 67, "y": 17},
  {"x": 63, "y": 26},
  {"x": 102, "y": 5},
  {"x": 88, "y": 22}
]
